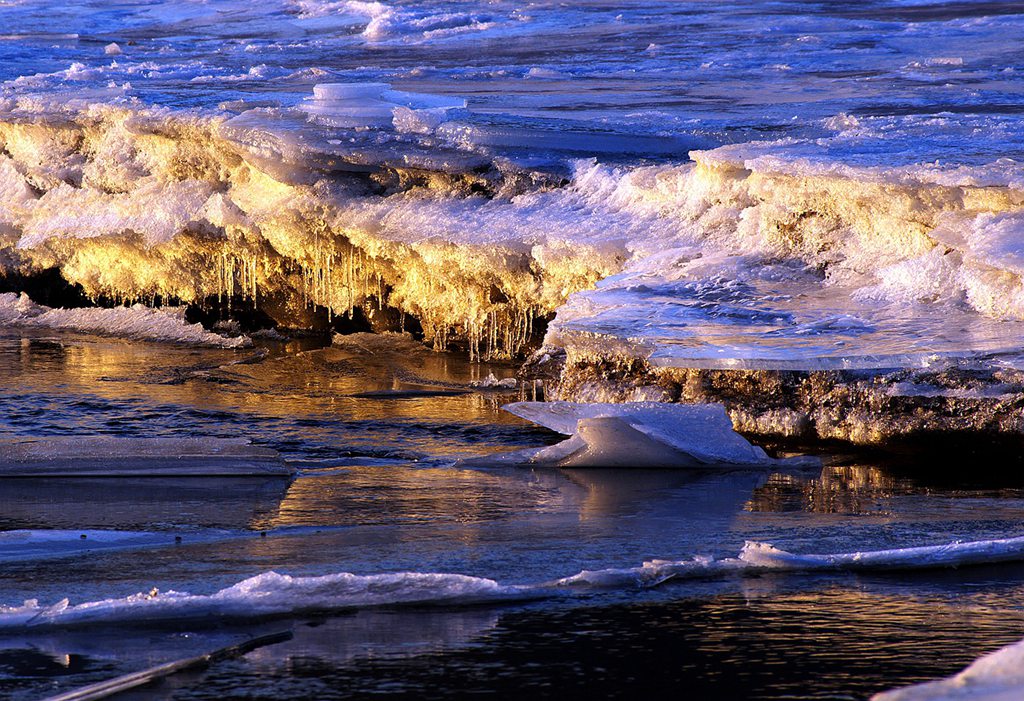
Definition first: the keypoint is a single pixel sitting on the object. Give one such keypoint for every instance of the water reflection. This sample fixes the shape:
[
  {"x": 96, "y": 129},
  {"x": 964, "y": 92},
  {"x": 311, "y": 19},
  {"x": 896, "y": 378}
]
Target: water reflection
[
  {"x": 689, "y": 494},
  {"x": 877, "y": 489},
  {"x": 851, "y": 489},
  {"x": 397, "y": 494},
  {"x": 386, "y": 399}
]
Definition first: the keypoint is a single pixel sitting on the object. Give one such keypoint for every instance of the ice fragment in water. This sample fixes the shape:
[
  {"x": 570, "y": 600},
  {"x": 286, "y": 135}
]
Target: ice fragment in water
[
  {"x": 642, "y": 434},
  {"x": 998, "y": 676},
  {"x": 362, "y": 105},
  {"x": 136, "y": 322}
]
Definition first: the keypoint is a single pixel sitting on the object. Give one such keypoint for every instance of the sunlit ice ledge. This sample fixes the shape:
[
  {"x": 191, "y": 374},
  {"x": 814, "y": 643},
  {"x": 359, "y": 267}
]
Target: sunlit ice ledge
[
  {"x": 816, "y": 294},
  {"x": 361, "y": 201}
]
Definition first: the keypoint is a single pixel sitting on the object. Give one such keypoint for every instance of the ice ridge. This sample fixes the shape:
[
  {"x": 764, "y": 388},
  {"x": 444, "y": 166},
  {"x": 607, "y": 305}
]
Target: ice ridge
[{"x": 273, "y": 594}]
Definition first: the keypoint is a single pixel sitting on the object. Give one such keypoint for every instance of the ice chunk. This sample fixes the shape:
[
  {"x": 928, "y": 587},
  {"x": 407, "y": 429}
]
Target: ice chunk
[
  {"x": 103, "y": 456},
  {"x": 355, "y": 105},
  {"x": 348, "y": 91},
  {"x": 422, "y": 121},
  {"x": 641, "y": 434},
  {"x": 112, "y": 49},
  {"x": 998, "y": 676}
]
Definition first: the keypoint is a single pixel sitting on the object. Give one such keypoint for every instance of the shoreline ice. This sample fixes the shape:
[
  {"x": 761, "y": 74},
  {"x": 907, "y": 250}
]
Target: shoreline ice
[{"x": 273, "y": 595}]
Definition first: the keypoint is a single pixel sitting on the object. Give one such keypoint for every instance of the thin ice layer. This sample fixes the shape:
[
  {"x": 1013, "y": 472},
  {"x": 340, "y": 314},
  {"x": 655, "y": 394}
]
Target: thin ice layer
[
  {"x": 120, "y": 456},
  {"x": 266, "y": 595}
]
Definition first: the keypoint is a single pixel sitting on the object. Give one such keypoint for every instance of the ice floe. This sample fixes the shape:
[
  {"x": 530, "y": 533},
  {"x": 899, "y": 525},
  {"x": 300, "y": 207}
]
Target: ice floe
[
  {"x": 642, "y": 434},
  {"x": 998, "y": 676}
]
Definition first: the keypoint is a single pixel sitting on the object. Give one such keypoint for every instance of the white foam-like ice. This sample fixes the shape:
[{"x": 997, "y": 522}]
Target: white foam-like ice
[
  {"x": 135, "y": 322},
  {"x": 274, "y": 594},
  {"x": 761, "y": 557},
  {"x": 267, "y": 594}
]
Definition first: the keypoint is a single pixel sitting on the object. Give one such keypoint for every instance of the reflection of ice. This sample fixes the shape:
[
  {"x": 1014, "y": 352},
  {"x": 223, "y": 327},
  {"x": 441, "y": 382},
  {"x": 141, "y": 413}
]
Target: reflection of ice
[
  {"x": 377, "y": 634},
  {"x": 699, "y": 495}
]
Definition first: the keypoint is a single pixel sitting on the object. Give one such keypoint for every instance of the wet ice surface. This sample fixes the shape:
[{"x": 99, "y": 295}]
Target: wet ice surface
[{"x": 370, "y": 504}]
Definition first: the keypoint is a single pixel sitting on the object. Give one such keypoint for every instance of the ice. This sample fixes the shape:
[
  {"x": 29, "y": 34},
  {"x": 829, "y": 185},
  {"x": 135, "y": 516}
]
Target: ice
[
  {"x": 267, "y": 594},
  {"x": 998, "y": 676},
  {"x": 271, "y": 594},
  {"x": 642, "y": 434},
  {"x": 136, "y": 322},
  {"x": 21, "y": 545},
  {"x": 847, "y": 198},
  {"x": 759, "y": 557},
  {"x": 97, "y": 456},
  {"x": 363, "y": 105}
]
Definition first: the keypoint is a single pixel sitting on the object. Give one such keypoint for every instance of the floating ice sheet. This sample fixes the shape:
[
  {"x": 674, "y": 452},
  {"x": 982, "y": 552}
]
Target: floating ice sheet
[
  {"x": 110, "y": 456},
  {"x": 355, "y": 105},
  {"x": 641, "y": 434}
]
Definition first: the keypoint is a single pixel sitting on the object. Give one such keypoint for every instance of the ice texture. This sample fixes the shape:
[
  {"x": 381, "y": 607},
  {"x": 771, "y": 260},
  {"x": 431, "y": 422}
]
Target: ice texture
[
  {"x": 641, "y": 434},
  {"x": 273, "y": 594},
  {"x": 835, "y": 192},
  {"x": 355, "y": 105},
  {"x": 137, "y": 322},
  {"x": 267, "y": 594}
]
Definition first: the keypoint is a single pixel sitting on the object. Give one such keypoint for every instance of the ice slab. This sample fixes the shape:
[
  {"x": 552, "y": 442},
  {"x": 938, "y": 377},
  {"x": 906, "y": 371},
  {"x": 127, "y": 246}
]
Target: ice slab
[
  {"x": 737, "y": 312},
  {"x": 642, "y": 434},
  {"x": 110, "y": 456},
  {"x": 376, "y": 105}
]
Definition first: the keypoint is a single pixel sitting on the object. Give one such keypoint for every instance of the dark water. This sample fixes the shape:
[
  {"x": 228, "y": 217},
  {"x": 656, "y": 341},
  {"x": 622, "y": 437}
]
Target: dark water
[{"x": 375, "y": 431}]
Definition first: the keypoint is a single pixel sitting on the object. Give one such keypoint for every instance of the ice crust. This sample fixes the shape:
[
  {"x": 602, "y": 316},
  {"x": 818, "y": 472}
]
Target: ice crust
[
  {"x": 272, "y": 594},
  {"x": 641, "y": 434},
  {"x": 137, "y": 322}
]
